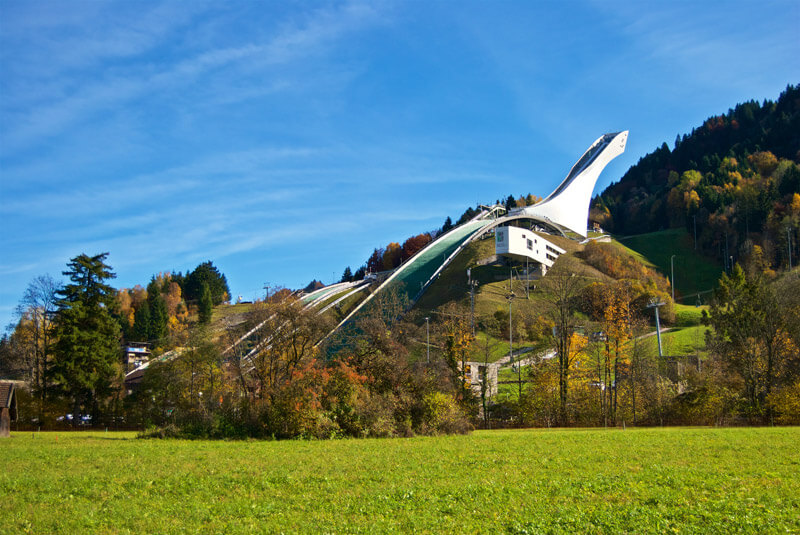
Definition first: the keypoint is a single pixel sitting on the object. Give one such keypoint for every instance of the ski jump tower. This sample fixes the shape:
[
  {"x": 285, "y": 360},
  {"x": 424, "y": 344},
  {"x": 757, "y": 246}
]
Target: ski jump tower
[{"x": 567, "y": 207}]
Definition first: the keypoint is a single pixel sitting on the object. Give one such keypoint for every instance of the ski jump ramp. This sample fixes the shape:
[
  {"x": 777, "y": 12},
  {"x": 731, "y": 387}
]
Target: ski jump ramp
[{"x": 566, "y": 209}]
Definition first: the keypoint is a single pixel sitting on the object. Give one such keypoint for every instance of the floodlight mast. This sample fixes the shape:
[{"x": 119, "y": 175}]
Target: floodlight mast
[
  {"x": 654, "y": 304},
  {"x": 428, "y": 337}
]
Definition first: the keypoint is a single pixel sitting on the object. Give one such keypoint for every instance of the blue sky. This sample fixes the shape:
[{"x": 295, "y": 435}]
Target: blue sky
[{"x": 286, "y": 140}]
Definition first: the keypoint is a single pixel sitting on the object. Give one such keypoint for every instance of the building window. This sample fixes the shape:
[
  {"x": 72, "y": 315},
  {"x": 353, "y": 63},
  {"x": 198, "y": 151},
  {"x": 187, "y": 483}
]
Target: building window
[{"x": 530, "y": 245}]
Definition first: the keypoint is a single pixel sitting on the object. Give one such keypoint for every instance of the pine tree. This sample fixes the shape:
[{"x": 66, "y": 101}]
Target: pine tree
[
  {"x": 448, "y": 224},
  {"x": 87, "y": 353},
  {"x": 142, "y": 323},
  {"x": 347, "y": 276},
  {"x": 206, "y": 309},
  {"x": 158, "y": 311},
  {"x": 360, "y": 273},
  {"x": 210, "y": 275}
]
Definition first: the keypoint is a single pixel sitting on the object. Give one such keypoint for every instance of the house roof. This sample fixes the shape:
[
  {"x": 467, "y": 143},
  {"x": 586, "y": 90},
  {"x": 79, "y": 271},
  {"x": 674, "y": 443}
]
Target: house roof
[{"x": 6, "y": 395}]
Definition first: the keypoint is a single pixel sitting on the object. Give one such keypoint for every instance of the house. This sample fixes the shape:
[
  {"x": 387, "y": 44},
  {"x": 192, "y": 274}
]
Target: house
[{"x": 8, "y": 407}]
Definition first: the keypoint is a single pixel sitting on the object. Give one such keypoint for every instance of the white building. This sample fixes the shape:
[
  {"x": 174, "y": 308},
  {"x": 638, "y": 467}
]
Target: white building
[{"x": 522, "y": 244}]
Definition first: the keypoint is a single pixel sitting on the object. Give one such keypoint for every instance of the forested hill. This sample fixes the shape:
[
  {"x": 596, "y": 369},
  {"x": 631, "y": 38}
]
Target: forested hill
[{"x": 736, "y": 177}]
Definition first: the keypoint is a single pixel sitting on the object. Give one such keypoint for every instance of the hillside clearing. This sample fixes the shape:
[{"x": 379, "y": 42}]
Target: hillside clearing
[{"x": 693, "y": 272}]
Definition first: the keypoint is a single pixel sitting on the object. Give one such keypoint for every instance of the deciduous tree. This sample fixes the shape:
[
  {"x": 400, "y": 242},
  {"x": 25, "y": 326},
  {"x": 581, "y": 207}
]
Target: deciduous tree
[
  {"x": 35, "y": 313},
  {"x": 560, "y": 291},
  {"x": 750, "y": 334}
]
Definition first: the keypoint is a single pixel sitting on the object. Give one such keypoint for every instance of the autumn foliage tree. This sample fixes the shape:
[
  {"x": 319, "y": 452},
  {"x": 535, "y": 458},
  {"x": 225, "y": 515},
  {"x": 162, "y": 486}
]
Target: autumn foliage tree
[
  {"x": 414, "y": 244},
  {"x": 751, "y": 335},
  {"x": 561, "y": 290},
  {"x": 392, "y": 256},
  {"x": 33, "y": 336},
  {"x": 617, "y": 327}
]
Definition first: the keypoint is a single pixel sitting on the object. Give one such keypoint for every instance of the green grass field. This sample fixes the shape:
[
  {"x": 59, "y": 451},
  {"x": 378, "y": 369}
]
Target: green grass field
[
  {"x": 527, "y": 481},
  {"x": 693, "y": 272}
]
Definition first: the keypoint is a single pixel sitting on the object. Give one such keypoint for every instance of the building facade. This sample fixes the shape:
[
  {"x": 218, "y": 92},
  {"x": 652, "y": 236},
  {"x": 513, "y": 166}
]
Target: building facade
[{"x": 525, "y": 246}]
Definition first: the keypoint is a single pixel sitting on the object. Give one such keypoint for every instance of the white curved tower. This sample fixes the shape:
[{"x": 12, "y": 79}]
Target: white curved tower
[{"x": 568, "y": 206}]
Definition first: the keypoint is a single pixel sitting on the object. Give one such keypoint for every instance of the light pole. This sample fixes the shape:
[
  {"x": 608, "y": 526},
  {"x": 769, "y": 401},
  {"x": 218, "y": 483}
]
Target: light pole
[
  {"x": 510, "y": 336},
  {"x": 654, "y": 304},
  {"x": 428, "y": 337},
  {"x": 528, "y": 279},
  {"x": 672, "y": 269},
  {"x": 511, "y": 345},
  {"x": 471, "y": 284}
]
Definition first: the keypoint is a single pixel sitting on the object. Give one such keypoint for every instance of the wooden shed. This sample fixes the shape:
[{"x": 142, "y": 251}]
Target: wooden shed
[{"x": 8, "y": 407}]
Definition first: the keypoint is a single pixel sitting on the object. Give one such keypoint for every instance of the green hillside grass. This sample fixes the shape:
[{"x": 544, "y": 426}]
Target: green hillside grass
[
  {"x": 693, "y": 272},
  {"x": 689, "y": 315},
  {"x": 497, "y": 348},
  {"x": 516, "y": 481},
  {"x": 493, "y": 286},
  {"x": 451, "y": 286},
  {"x": 680, "y": 342}
]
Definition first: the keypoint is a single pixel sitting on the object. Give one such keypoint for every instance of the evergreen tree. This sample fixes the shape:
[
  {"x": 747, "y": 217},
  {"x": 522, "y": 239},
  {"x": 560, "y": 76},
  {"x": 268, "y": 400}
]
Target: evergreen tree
[
  {"x": 158, "y": 311},
  {"x": 375, "y": 261},
  {"x": 448, "y": 224},
  {"x": 347, "y": 276},
  {"x": 360, "y": 273},
  {"x": 468, "y": 214},
  {"x": 749, "y": 333},
  {"x": 210, "y": 275},
  {"x": 87, "y": 353},
  {"x": 142, "y": 323},
  {"x": 206, "y": 306}
]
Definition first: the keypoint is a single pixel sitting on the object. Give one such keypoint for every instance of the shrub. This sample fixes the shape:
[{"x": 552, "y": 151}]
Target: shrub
[
  {"x": 688, "y": 317},
  {"x": 785, "y": 403},
  {"x": 709, "y": 404},
  {"x": 442, "y": 414}
]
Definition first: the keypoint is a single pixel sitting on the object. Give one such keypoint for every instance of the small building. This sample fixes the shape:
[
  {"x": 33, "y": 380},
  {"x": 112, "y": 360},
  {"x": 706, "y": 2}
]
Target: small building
[
  {"x": 523, "y": 244},
  {"x": 136, "y": 354},
  {"x": 475, "y": 373},
  {"x": 8, "y": 407}
]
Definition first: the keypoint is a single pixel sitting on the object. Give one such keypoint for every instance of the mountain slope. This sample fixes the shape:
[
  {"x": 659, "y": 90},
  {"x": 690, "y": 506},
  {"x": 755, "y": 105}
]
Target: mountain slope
[{"x": 735, "y": 179}]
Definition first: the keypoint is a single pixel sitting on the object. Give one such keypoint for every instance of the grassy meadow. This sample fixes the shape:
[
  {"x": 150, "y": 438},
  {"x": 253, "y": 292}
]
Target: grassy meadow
[
  {"x": 520, "y": 481},
  {"x": 693, "y": 271}
]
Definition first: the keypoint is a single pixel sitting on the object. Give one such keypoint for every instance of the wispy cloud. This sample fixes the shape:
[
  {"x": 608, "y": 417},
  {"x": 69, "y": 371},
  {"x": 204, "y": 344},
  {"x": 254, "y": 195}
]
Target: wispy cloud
[
  {"x": 292, "y": 136},
  {"x": 74, "y": 100}
]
